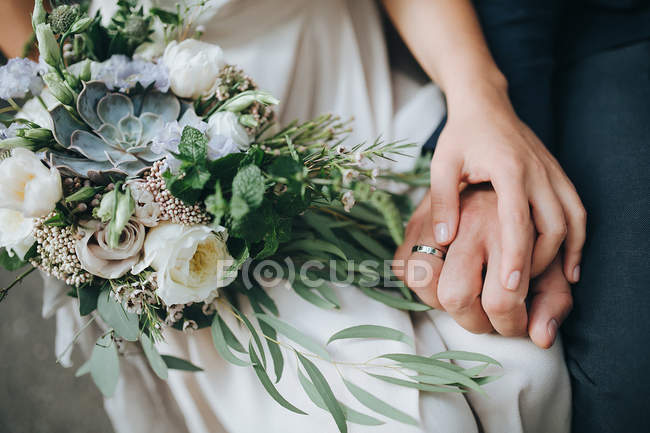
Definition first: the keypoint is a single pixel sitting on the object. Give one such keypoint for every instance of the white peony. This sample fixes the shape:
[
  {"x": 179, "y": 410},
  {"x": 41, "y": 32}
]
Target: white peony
[
  {"x": 191, "y": 261},
  {"x": 226, "y": 124},
  {"x": 16, "y": 232},
  {"x": 193, "y": 67},
  {"x": 28, "y": 186}
]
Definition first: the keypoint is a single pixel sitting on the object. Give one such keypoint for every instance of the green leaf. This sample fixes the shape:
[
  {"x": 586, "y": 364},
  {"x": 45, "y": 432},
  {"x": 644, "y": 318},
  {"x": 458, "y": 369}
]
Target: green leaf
[
  {"x": 263, "y": 298},
  {"x": 105, "y": 365},
  {"x": 465, "y": 356},
  {"x": 175, "y": 363},
  {"x": 268, "y": 385},
  {"x": 443, "y": 373},
  {"x": 294, "y": 335},
  {"x": 125, "y": 324},
  {"x": 219, "y": 340},
  {"x": 83, "y": 370},
  {"x": 83, "y": 194},
  {"x": 156, "y": 361},
  {"x": 88, "y": 295},
  {"x": 253, "y": 332},
  {"x": 188, "y": 184},
  {"x": 123, "y": 208},
  {"x": 271, "y": 244},
  {"x": 378, "y": 405},
  {"x": 10, "y": 263},
  {"x": 350, "y": 414},
  {"x": 370, "y": 244},
  {"x": 415, "y": 385},
  {"x": 407, "y": 357},
  {"x": 314, "y": 245},
  {"x": 193, "y": 146},
  {"x": 272, "y": 337},
  {"x": 307, "y": 294},
  {"x": 248, "y": 186},
  {"x": 165, "y": 16},
  {"x": 231, "y": 340},
  {"x": 325, "y": 392},
  {"x": 372, "y": 331},
  {"x": 216, "y": 204},
  {"x": 393, "y": 301}
]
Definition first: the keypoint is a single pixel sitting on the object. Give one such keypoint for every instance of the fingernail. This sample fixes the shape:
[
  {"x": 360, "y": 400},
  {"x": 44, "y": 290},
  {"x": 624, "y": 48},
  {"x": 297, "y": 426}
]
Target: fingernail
[
  {"x": 576, "y": 274},
  {"x": 513, "y": 280},
  {"x": 442, "y": 233},
  {"x": 552, "y": 329}
]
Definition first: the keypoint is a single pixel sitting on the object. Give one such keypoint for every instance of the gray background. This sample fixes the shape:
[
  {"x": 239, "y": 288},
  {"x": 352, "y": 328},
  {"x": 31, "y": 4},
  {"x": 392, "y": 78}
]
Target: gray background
[{"x": 36, "y": 394}]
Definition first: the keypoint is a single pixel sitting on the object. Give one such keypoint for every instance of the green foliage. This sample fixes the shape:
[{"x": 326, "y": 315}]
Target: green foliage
[
  {"x": 105, "y": 365},
  {"x": 125, "y": 324},
  {"x": 175, "y": 363},
  {"x": 188, "y": 184},
  {"x": 156, "y": 361},
  {"x": 372, "y": 331},
  {"x": 10, "y": 262}
]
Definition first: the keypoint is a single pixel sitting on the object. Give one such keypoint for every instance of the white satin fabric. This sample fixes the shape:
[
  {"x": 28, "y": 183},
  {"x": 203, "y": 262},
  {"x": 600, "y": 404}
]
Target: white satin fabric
[{"x": 317, "y": 57}]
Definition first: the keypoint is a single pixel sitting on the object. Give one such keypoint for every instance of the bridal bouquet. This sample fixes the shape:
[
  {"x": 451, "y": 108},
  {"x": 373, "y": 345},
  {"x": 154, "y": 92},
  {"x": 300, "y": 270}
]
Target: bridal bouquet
[{"x": 151, "y": 177}]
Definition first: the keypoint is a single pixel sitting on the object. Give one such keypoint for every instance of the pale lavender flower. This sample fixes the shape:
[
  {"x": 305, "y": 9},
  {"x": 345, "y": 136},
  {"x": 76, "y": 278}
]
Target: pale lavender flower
[
  {"x": 18, "y": 77},
  {"x": 120, "y": 72},
  {"x": 11, "y": 131}
]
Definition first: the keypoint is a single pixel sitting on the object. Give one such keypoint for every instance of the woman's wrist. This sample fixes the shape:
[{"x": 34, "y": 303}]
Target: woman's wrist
[{"x": 477, "y": 94}]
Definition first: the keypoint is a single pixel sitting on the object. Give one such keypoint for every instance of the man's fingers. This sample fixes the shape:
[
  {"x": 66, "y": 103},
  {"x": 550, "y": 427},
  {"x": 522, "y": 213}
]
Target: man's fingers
[
  {"x": 445, "y": 178},
  {"x": 551, "y": 303},
  {"x": 460, "y": 285},
  {"x": 550, "y": 223},
  {"x": 420, "y": 216},
  {"x": 515, "y": 226},
  {"x": 422, "y": 270},
  {"x": 506, "y": 309}
]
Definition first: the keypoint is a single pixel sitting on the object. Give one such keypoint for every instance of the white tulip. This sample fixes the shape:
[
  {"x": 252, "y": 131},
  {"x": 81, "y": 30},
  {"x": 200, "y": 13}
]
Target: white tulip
[
  {"x": 226, "y": 124},
  {"x": 28, "y": 186},
  {"x": 193, "y": 67},
  {"x": 191, "y": 262},
  {"x": 16, "y": 232}
]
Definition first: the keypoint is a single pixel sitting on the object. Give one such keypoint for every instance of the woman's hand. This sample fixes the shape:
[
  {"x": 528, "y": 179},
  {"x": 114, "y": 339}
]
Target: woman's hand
[{"x": 484, "y": 141}]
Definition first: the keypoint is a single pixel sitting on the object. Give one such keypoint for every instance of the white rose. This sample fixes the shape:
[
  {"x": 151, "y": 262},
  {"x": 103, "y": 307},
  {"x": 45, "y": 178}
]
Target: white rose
[
  {"x": 26, "y": 185},
  {"x": 226, "y": 124},
  {"x": 16, "y": 232},
  {"x": 191, "y": 261},
  {"x": 193, "y": 67}
]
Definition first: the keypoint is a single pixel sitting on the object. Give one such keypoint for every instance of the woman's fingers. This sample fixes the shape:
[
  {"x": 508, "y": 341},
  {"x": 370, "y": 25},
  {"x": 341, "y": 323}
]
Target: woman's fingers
[
  {"x": 445, "y": 180},
  {"x": 550, "y": 223},
  {"x": 515, "y": 225},
  {"x": 576, "y": 220},
  {"x": 551, "y": 303}
]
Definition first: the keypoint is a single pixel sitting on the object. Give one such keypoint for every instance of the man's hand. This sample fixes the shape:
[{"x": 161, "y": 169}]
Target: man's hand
[{"x": 467, "y": 283}]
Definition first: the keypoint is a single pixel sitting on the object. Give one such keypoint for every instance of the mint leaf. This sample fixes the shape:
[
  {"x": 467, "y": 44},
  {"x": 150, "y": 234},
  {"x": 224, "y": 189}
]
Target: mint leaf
[
  {"x": 216, "y": 204},
  {"x": 248, "y": 185},
  {"x": 193, "y": 146},
  {"x": 187, "y": 186}
]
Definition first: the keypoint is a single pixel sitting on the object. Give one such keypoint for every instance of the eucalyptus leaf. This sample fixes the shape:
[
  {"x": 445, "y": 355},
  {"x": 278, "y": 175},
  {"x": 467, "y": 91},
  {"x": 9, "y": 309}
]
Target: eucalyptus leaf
[
  {"x": 350, "y": 414},
  {"x": 272, "y": 337},
  {"x": 393, "y": 301},
  {"x": 372, "y": 331},
  {"x": 268, "y": 385},
  {"x": 105, "y": 365},
  {"x": 253, "y": 332},
  {"x": 125, "y": 324},
  {"x": 175, "y": 363},
  {"x": 314, "y": 245},
  {"x": 295, "y": 335},
  {"x": 155, "y": 360},
  {"x": 415, "y": 385},
  {"x": 465, "y": 356},
  {"x": 325, "y": 392},
  {"x": 219, "y": 341},
  {"x": 231, "y": 340},
  {"x": 308, "y": 295},
  {"x": 83, "y": 370},
  {"x": 378, "y": 405}
]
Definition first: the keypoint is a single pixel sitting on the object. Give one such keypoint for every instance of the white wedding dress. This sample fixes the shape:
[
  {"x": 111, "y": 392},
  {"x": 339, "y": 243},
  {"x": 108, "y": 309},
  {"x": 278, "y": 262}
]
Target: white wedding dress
[{"x": 319, "y": 57}]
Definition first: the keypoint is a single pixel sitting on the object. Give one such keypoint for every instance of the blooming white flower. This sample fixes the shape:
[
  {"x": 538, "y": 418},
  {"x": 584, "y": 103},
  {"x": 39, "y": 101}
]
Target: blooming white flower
[
  {"x": 26, "y": 185},
  {"x": 16, "y": 232},
  {"x": 34, "y": 111},
  {"x": 168, "y": 138},
  {"x": 99, "y": 259},
  {"x": 147, "y": 210},
  {"x": 18, "y": 77},
  {"x": 123, "y": 73},
  {"x": 226, "y": 123},
  {"x": 191, "y": 261},
  {"x": 348, "y": 201},
  {"x": 193, "y": 67}
]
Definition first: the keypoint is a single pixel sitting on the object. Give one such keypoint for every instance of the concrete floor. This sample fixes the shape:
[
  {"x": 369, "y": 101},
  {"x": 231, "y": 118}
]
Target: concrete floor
[{"x": 36, "y": 394}]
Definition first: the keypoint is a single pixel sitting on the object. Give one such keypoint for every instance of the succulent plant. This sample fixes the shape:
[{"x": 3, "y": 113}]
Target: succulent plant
[{"x": 114, "y": 134}]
